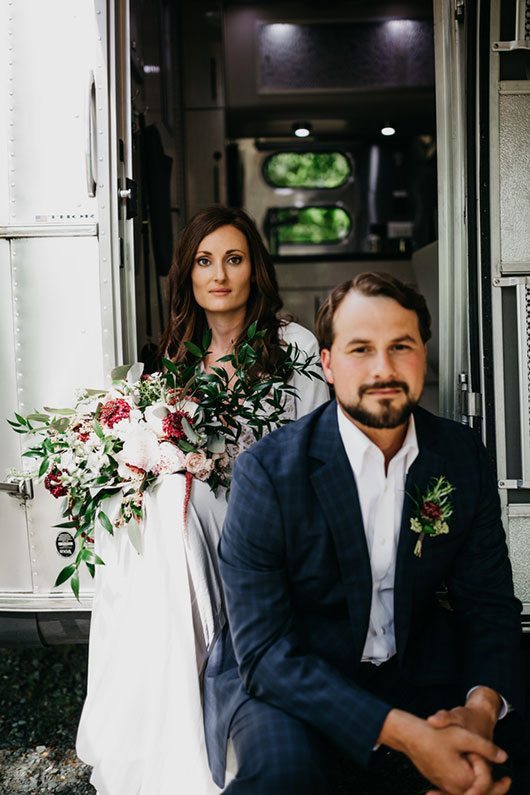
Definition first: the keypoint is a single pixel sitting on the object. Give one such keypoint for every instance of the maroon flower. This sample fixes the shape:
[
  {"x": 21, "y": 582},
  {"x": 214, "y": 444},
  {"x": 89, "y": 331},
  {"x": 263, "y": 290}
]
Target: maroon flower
[
  {"x": 172, "y": 425},
  {"x": 431, "y": 510},
  {"x": 52, "y": 482},
  {"x": 114, "y": 411}
]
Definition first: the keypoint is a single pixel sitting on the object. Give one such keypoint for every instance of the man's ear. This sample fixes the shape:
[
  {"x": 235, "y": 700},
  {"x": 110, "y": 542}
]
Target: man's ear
[{"x": 325, "y": 359}]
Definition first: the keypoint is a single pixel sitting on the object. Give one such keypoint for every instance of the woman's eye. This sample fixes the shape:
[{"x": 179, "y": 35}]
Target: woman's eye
[
  {"x": 203, "y": 261},
  {"x": 235, "y": 259}
]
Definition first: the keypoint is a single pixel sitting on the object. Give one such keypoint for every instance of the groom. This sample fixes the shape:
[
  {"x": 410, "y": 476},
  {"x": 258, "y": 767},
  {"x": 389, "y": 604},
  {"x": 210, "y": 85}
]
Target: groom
[{"x": 343, "y": 531}]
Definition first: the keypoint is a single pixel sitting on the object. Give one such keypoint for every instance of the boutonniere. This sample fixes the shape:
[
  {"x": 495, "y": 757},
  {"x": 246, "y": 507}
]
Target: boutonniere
[{"x": 433, "y": 510}]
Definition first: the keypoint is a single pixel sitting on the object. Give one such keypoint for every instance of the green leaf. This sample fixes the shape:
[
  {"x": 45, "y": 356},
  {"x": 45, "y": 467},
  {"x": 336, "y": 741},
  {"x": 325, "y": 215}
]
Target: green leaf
[
  {"x": 188, "y": 430},
  {"x": 186, "y": 447},
  {"x": 21, "y": 419},
  {"x": 251, "y": 331},
  {"x": 65, "y": 574},
  {"x": 206, "y": 339},
  {"x": 60, "y": 412},
  {"x": 105, "y": 521},
  {"x": 91, "y": 568},
  {"x": 66, "y": 524},
  {"x": 98, "y": 429},
  {"x": 194, "y": 349},
  {"x": 38, "y": 417},
  {"x": 43, "y": 467},
  {"x": 74, "y": 584},
  {"x": 170, "y": 366},
  {"x": 135, "y": 536},
  {"x": 120, "y": 373}
]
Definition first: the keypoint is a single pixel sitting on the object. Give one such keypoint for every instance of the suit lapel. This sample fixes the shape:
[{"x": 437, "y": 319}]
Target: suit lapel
[
  {"x": 336, "y": 491},
  {"x": 427, "y": 465}
]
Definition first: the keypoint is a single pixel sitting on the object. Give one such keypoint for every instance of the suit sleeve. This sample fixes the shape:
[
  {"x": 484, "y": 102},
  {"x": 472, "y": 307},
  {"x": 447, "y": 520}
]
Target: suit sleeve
[
  {"x": 481, "y": 593},
  {"x": 272, "y": 663}
]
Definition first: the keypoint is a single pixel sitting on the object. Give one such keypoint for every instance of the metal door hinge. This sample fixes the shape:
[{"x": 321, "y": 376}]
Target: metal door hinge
[
  {"x": 23, "y": 489},
  {"x": 470, "y": 402}
]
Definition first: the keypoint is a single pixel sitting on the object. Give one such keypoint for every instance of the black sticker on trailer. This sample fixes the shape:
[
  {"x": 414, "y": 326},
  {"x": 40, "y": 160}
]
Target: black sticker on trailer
[{"x": 65, "y": 544}]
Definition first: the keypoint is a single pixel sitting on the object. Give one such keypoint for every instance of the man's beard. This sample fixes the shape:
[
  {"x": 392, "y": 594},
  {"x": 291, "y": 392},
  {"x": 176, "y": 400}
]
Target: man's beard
[{"x": 388, "y": 416}]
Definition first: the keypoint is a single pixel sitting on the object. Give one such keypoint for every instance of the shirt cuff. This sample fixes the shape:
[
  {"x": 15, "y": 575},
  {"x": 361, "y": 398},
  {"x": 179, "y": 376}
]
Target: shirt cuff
[{"x": 505, "y": 707}]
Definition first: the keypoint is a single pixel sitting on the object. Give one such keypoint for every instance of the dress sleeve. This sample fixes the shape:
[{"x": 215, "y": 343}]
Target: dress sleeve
[{"x": 311, "y": 391}]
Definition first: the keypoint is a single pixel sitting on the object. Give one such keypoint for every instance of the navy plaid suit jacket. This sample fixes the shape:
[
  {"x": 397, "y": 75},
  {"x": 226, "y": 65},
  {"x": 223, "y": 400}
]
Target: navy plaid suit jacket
[{"x": 297, "y": 578}]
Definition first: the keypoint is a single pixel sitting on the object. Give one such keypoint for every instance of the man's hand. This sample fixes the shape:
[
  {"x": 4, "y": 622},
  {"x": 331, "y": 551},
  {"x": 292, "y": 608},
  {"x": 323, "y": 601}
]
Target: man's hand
[
  {"x": 479, "y": 716},
  {"x": 451, "y": 758}
]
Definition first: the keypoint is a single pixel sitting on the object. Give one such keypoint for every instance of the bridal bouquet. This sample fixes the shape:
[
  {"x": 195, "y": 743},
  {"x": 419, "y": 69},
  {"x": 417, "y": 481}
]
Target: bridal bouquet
[{"x": 121, "y": 440}]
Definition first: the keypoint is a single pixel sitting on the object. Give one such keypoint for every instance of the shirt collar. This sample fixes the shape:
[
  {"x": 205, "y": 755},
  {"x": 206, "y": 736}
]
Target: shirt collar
[{"x": 357, "y": 444}]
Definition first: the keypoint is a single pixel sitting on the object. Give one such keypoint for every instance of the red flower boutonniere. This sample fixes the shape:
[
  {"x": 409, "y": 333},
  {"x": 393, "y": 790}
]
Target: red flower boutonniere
[{"x": 434, "y": 508}]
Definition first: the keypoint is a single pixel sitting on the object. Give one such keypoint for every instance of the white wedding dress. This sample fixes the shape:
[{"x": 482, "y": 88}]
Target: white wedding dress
[{"x": 155, "y": 617}]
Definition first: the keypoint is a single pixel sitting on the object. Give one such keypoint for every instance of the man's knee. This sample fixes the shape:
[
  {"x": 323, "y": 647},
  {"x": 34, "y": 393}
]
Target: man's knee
[{"x": 276, "y": 753}]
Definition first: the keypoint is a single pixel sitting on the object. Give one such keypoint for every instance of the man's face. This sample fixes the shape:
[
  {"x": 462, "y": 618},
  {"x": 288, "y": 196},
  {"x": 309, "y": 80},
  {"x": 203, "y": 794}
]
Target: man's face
[{"x": 377, "y": 360}]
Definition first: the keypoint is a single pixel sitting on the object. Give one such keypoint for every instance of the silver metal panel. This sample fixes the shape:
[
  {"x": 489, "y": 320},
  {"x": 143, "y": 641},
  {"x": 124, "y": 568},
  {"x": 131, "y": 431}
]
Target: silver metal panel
[
  {"x": 15, "y": 573},
  {"x": 523, "y": 328},
  {"x": 519, "y": 541},
  {"x": 53, "y": 54},
  {"x": 449, "y": 47},
  {"x": 48, "y": 230},
  {"x": 59, "y": 343},
  {"x": 514, "y": 124},
  {"x": 6, "y": 85}
]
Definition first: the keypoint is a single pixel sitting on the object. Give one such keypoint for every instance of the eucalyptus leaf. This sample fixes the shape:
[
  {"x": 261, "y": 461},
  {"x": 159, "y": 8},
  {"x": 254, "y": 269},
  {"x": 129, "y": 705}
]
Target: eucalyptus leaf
[
  {"x": 188, "y": 430},
  {"x": 135, "y": 372},
  {"x": 216, "y": 443},
  {"x": 38, "y": 417},
  {"x": 135, "y": 535},
  {"x": 105, "y": 522},
  {"x": 120, "y": 373},
  {"x": 60, "y": 412}
]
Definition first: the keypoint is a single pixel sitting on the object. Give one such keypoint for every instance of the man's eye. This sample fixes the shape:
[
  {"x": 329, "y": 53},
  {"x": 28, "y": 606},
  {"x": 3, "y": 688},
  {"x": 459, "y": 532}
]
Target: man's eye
[
  {"x": 360, "y": 351},
  {"x": 400, "y": 347}
]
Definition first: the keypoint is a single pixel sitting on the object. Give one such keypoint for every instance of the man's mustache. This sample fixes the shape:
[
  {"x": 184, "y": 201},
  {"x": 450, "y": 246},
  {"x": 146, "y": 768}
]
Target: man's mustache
[{"x": 384, "y": 385}]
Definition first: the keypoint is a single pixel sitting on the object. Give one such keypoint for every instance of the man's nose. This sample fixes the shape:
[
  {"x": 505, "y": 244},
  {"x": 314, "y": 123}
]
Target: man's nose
[{"x": 383, "y": 366}]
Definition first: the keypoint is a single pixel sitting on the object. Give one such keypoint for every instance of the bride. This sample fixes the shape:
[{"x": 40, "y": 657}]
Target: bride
[{"x": 155, "y": 616}]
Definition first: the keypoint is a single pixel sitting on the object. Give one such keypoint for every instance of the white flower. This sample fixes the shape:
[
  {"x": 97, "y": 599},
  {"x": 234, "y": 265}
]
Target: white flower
[
  {"x": 154, "y": 417},
  {"x": 199, "y": 466},
  {"x": 140, "y": 451},
  {"x": 121, "y": 428},
  {"x": 172, "y": 459}
]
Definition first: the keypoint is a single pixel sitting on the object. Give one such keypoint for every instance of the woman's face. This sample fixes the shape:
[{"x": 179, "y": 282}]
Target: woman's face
[{"x": 222, "y": 272}]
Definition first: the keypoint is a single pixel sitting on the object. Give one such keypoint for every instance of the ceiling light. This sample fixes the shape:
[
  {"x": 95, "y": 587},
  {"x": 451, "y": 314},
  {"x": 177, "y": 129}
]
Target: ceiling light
[
  {"x": 388, "y": 130},
  {"x": 302, "y": 129}
]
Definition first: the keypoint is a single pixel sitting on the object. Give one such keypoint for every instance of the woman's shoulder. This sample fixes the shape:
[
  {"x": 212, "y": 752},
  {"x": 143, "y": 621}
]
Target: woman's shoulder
[{"x": 294, "y": 333}]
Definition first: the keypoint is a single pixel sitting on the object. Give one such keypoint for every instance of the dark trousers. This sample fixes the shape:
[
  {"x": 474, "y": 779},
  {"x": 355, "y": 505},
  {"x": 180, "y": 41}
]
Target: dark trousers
[{"x": 277, "y": 753}]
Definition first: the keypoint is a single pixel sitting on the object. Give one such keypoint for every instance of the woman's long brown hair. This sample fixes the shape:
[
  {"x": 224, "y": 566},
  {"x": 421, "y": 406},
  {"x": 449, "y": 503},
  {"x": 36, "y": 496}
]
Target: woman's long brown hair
[{"x": 187, "y": 320}]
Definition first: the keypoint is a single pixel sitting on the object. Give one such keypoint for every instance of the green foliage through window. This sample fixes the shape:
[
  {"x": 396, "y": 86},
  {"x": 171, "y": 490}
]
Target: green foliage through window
[
  {"x": 307, "y": 169},
  {"x": 312, "y": 225}
]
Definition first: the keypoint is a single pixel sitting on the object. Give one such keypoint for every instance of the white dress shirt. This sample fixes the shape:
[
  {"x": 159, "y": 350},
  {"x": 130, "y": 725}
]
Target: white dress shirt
[{"x": 381, "y": 498}]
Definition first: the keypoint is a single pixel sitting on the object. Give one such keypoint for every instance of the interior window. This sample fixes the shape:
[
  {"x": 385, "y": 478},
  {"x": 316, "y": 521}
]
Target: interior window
[
  {"x": 312, "y": 225},
  {"x": 307, "y": 169}
]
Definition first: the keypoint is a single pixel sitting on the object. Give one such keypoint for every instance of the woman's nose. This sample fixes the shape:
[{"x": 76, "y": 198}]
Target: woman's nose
[{"x": 220, "y": 273}]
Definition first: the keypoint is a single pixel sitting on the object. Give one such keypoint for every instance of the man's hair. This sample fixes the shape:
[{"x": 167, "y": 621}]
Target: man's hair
[{"x": 372, "y": 284}]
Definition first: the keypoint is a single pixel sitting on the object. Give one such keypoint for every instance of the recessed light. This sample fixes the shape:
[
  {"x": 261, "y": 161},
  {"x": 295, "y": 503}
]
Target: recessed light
[
  {"x": 388, "y": 130},
  {"x": 302, "y": 129}
]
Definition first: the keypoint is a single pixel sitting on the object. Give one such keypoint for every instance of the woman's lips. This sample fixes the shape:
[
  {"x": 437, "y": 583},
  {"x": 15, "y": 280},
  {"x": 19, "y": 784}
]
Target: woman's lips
[{"x": 220, "y": 292}]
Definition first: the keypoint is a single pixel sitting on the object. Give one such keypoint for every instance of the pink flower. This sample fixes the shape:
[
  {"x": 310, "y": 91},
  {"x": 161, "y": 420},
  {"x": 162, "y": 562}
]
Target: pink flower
[
  {"x": 52, "y": 482},
  {"x": 171, "y": 460},
  {"x": 114, "y": 411},
  {"x": 172, "y": 425},
  {"x": 198, "y": 465}
]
